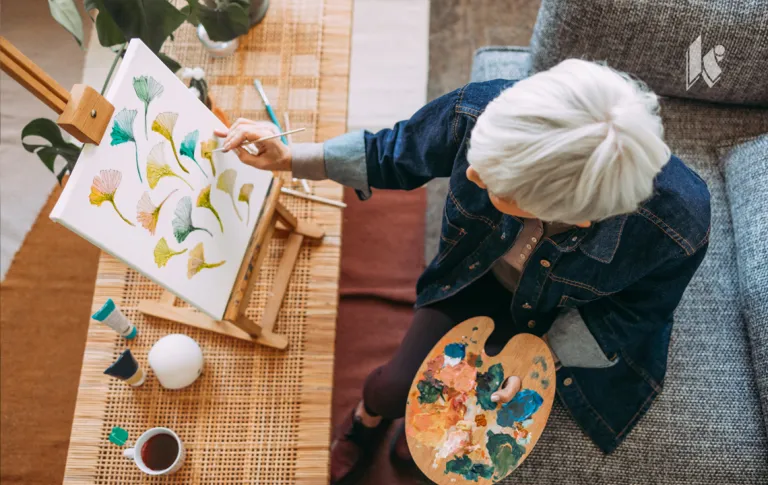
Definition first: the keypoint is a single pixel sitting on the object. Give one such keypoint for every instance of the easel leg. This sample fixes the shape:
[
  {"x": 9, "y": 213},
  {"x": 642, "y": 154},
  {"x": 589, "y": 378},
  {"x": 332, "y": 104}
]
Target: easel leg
[{"x": 280, "y": 286}]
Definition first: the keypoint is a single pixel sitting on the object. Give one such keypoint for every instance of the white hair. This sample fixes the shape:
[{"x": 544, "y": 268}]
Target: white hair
[{"x": 579, "y": 142}]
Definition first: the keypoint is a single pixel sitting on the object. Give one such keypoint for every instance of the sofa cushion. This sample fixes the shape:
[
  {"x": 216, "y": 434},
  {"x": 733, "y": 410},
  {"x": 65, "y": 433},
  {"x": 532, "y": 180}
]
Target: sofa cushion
[
  {"x": 651, "y": 41},
  {"x": 746, "y": 179},
  {"x": 706, "y": 427}
]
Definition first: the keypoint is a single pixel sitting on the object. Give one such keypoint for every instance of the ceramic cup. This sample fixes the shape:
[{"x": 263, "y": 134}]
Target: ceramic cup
[{"x": 135, "y": 452}]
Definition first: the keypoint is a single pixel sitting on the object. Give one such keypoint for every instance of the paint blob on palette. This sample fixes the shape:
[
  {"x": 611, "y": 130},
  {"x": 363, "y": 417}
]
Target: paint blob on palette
[{"x": 455, "y": 432}]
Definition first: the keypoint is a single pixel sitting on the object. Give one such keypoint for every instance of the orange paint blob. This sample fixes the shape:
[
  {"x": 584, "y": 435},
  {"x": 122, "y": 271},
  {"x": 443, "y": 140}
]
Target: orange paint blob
[{"x": 480, "y": 420}]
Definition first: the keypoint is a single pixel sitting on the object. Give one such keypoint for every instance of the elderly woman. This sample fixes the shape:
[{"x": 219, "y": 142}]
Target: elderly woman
[{"x": 567, "y": 217}]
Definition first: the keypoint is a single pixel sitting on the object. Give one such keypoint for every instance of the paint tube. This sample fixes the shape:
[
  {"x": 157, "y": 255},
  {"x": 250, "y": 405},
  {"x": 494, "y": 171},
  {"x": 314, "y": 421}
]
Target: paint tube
[
  {"x": 127, "y": 369},
  {"x": 112, "y": 317}
]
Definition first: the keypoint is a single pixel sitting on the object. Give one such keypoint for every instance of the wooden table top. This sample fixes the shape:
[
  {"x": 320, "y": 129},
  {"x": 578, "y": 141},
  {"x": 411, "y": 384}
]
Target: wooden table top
[{"x": 257, "y": 414}]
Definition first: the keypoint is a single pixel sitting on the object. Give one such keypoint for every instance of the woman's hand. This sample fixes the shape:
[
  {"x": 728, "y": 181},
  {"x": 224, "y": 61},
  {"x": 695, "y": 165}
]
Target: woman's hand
[
  {"x": 509, "y": 388},
  {"x": 273, "y": 154}
]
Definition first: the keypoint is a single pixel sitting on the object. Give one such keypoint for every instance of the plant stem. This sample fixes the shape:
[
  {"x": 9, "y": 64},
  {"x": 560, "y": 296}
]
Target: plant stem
[
  {"x": 212, "y": 265},
  {"x": 235, "y": 206},
  {"x": 112, "y": 68},
  {"x": 202, "y": 229},
  {"x": 182, "y": 179},
  {"x": 118, "y": 213},
  {"x": 136, "y": 147},
  {"x": 173, "y": 146}
]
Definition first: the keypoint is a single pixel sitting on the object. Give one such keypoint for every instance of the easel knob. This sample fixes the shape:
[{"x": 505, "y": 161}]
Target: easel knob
[{"x": 84, "y": 113}]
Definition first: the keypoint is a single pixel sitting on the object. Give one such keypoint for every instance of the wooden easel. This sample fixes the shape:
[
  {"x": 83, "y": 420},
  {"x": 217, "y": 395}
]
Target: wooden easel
[{"x": 85, "y": 114}]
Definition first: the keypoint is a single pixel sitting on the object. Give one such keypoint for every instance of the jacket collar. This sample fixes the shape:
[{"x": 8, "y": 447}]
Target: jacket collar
[{"x": 602, "y": 241}]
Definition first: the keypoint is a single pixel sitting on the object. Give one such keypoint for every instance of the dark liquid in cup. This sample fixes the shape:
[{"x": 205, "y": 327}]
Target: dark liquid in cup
[{"x": 160, "y": 451}]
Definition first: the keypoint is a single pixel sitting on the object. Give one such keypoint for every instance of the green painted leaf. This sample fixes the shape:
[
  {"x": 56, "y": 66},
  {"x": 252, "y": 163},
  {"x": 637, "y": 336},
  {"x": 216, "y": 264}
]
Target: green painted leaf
[
  {"x": 225, "y": 22},
  {"x": 66, "y": 14},
  {"x": 57, "y": 147}
]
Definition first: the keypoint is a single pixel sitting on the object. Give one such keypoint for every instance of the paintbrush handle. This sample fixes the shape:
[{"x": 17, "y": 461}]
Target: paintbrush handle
[
  {"x": 274, "y": 119},
  {"x": 315, "y": 198},
  {"x": 264, "y": 138}
]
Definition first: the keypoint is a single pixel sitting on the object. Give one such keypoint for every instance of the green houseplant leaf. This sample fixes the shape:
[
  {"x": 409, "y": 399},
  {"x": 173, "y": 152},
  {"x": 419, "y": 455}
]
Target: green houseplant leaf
[
  {"x": 50, "y": 131},
  {"x": 65, "y": 13},
  {"x": 152, "y": 21},
  {"x": 108, "y": 31},
  {"x": 228, "y": 20}
]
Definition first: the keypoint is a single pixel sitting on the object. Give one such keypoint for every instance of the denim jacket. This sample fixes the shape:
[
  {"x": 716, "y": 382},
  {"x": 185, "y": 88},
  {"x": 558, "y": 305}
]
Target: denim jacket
[{"x": 621, "y": 278}]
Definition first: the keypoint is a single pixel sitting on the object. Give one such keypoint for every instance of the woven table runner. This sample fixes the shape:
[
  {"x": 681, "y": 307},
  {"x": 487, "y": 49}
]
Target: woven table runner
[{"x": 257, "y": 414}]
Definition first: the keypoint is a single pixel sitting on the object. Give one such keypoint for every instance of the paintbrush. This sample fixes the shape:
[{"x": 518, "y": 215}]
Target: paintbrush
[
  {"x": 265, "y": 138},
  {"x": 270, "y": 112}
]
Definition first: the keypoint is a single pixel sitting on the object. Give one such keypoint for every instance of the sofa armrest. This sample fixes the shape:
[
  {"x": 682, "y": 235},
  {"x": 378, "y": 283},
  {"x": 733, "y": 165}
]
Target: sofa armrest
[{"x": 746, "y": 180}]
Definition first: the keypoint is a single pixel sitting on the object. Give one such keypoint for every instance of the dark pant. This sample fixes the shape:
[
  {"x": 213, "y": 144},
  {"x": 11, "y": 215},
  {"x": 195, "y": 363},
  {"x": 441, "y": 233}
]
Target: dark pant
[{"x": 386, "y": 388}]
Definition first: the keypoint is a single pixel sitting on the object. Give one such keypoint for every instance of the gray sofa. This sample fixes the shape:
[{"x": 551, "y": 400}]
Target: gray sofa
[{"x": 709, "y": 425}]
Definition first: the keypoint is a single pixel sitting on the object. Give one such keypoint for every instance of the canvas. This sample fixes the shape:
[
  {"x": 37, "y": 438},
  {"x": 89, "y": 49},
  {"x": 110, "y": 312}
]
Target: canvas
[{"x": 155, "y": 195}]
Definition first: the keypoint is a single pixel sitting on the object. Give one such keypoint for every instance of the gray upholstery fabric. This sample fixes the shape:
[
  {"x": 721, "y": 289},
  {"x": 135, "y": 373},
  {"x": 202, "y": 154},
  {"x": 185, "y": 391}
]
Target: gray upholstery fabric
[
  {"x": 707, "y": 426},
  {"x": 746, "y": 179},
  {"x": 650, "y": 40}
]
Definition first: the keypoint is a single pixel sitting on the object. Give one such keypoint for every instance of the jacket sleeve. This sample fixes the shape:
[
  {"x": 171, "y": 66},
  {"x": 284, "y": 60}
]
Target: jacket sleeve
[{"x": 404, "y": 157}]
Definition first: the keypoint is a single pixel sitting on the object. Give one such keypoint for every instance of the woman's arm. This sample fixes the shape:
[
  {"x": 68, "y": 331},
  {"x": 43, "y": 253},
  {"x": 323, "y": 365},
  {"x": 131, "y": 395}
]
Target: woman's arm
[{"x": 404, "y": 157}]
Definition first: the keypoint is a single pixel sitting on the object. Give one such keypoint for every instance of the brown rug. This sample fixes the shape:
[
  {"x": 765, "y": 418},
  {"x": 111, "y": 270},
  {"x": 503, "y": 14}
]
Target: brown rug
[
  {"x": 45, "y": 302},
  {"x": 381, "y": 259}
]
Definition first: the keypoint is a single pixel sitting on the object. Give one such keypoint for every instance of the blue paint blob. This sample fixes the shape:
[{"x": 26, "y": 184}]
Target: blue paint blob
[
  {"x": 455, "y": 351},
  {"x": 545, "y": 383},
  {"x": 521, "y": 407}
]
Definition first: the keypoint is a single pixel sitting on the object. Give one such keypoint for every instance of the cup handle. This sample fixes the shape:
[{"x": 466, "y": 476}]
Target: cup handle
[{"x": 129, "y": 453}]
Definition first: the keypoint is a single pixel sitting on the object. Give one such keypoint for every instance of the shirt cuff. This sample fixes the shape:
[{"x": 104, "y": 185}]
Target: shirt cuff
[
  {"x": 574, "y": 345},
  {"x": 307, "y": 161},
  {"x": 345, "y": 162}
]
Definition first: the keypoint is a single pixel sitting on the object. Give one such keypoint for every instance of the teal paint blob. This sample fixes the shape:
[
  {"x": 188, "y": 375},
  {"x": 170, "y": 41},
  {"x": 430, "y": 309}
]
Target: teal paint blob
[
  {"x": 455, "y": 351},
  {"x": 521, "y": 407},
  {"x": 487, "y": 384},
  {"x": 505, "y": 453},
  {"x": 479, "y": 361},
  {"x": 534, "y": 375},
  {"x": 540, "y": 360},
  {"x": 471, "y": 471},
  {"x": 545, "y": 383}
]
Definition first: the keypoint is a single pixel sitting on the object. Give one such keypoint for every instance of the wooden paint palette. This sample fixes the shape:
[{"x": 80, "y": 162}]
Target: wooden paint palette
[{"x": 455, "y": 433}]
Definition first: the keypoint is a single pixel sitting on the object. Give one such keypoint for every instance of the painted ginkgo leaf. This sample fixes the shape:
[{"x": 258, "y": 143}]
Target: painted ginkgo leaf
[
  {"x": 206, "y": 151},
  {"x": 164, "y": 125},
  {"x": 104, "y": 188},
  {"x": 163, "y": 253},
  {"x": 122, "y": 132},
  {"x": 197, "y": 262},
  {"x": 245, "y": 196},
  {"x": 182, "y": 220},
  {"x": 157, "y": 167},
  {"x": 147, "y": 213},
  {"x": 226, "y": 183},
  {"x": 147, "y": 89},
  {"x": 187, "y": 148},
  {"x": 204, "y": 200}
]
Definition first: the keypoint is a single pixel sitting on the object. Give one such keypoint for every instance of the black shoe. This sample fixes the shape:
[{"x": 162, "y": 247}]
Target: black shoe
[{"x": 353, "y": 448}]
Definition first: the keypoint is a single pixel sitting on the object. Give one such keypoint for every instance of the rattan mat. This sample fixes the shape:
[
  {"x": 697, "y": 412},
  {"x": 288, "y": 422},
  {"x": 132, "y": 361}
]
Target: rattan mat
[{"x": 256, "y": 415}]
